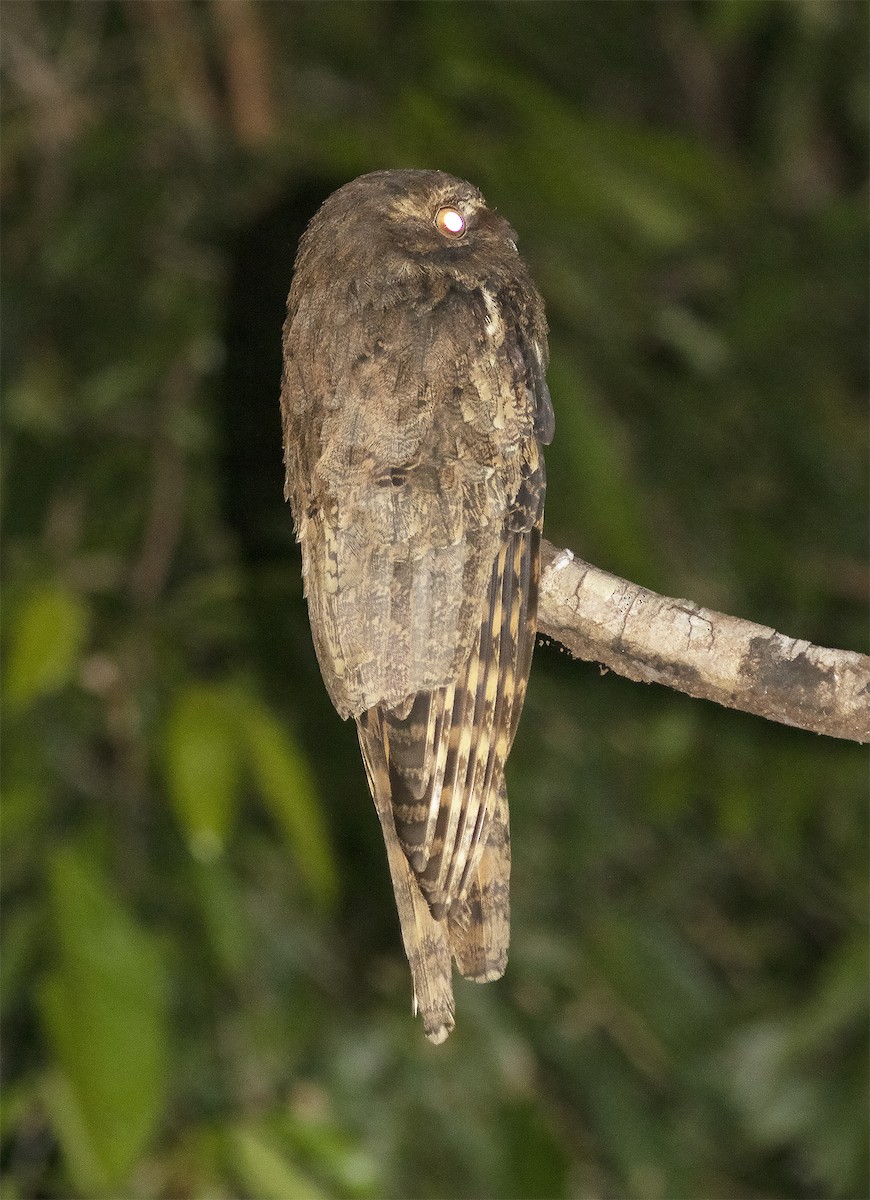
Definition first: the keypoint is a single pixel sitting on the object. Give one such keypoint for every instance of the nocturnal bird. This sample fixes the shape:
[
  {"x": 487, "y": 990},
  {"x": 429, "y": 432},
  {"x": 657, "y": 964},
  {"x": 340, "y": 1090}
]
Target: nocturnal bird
[{"x": 414, "y": 408}]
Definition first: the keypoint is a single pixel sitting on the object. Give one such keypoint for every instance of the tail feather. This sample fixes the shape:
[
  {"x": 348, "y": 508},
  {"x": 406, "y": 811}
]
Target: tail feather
[
  {"x": 426, "y": 941},
  {"x": 480, "y": 926}
]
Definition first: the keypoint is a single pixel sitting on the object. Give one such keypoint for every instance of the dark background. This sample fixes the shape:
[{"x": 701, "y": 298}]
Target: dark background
[{"x": 204, "y": 992}]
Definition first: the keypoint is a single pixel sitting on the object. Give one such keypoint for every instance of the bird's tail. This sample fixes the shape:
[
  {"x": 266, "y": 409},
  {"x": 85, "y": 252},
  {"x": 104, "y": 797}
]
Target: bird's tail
[
  {"x": 479, "y": 927},
  {"x": 476, "y": 932},
  {"x": 427, "y": 941}
]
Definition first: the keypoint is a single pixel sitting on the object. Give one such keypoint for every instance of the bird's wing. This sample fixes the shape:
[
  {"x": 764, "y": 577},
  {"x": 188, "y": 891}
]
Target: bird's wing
[
  {"x": 403, "y": 474},
  {"x": 445, "y": 756},
  {"x": 445, "y": 748}
]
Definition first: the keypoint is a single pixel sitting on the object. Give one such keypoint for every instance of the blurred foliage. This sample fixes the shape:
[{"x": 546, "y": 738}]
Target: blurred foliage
[{"x": 204, "y": 992}]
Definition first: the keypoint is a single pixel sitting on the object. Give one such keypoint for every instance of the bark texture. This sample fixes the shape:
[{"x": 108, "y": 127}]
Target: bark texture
[{"x": 657, "y": 639}]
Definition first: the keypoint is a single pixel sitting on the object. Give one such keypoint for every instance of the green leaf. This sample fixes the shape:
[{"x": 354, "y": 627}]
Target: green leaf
[
  {"x": 202, "y": 762},
  {"x": 224, "y": 916},
  {"x": 46, "y": 639},
  {"x": 265, "y": 1173},
  {"x": 103, "y": 1009},
  {"x": 339, "y": 1157},
  {"x": 284, "y": 781},
  {"x": 65, "y": 1114}
]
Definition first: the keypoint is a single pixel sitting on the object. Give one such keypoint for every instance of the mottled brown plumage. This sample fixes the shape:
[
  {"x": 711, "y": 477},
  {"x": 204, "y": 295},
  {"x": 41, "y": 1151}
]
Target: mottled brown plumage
[{"x": 414, "y": 409}]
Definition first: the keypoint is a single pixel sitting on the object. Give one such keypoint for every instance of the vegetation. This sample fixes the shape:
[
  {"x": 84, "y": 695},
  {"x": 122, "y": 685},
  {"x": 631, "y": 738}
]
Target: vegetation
[{"x": 204, "y": 992}]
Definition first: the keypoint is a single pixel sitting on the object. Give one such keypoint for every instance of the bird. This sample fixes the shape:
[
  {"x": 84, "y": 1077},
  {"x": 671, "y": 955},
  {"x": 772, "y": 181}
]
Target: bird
[{"x": 415, "y": 409}]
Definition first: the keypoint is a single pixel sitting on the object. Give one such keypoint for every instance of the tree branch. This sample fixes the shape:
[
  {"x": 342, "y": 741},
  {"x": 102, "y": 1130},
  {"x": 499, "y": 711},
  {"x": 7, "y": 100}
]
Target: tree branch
[{"x": 656, "y": 639}]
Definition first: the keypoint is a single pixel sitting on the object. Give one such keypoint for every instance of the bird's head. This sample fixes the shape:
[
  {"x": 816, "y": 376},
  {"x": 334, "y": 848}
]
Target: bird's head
[{"x": 406, "y": 224}]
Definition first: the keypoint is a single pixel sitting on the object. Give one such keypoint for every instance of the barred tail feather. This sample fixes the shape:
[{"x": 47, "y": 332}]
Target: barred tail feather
[
  {"x": 426, "y": 941},
  {"x": 480, "y": 929}
]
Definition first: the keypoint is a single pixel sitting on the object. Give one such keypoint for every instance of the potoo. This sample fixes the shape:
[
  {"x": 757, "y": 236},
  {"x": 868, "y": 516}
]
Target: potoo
[{"x": 414, "y": 410}]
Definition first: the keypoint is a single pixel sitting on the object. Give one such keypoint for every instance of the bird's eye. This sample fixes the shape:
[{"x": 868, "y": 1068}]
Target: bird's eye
[{"x": 450, "y": 222}]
